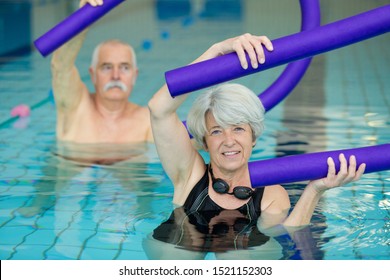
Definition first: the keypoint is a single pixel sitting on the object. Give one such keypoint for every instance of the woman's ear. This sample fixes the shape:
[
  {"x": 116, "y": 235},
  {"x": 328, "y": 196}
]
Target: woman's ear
[{"x": 254, "y": 140}]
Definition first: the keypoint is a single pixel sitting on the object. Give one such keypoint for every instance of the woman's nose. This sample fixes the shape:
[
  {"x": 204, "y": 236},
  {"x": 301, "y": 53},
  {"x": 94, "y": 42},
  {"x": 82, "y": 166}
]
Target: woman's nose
[{"x": 229, "y": 138}]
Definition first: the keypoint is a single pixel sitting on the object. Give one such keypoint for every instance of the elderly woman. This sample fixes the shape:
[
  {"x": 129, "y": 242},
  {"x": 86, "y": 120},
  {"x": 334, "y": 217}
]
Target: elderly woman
[{"x": 226, "y": 122}]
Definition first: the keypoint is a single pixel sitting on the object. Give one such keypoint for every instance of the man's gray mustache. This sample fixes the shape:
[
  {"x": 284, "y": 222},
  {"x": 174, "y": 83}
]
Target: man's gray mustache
[{"x": 114, "y": 84}]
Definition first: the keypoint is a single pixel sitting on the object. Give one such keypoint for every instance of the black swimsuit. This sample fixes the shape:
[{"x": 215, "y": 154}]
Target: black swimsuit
[
  {"x": 199, "y": 200},
  {"x": 202, "y": 225}
]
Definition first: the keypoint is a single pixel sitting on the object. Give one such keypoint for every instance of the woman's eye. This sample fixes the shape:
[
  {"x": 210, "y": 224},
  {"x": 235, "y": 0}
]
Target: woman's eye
[
  {"x": 239, "y": 129},
  {"x": 215, "y": 132}
]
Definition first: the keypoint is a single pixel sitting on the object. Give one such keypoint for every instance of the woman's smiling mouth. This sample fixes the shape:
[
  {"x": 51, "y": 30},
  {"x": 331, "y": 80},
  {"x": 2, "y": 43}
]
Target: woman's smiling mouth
[{"x": 231, "y": 153}]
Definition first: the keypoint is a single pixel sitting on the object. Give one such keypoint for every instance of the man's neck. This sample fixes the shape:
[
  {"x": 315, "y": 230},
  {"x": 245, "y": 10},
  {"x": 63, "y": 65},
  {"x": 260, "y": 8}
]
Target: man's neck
[{"x": 111, "y": 109}]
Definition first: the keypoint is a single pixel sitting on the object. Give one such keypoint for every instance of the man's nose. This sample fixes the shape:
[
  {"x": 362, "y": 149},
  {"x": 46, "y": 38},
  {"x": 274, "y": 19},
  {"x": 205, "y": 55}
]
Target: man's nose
[{"x": 115, "y": 73}]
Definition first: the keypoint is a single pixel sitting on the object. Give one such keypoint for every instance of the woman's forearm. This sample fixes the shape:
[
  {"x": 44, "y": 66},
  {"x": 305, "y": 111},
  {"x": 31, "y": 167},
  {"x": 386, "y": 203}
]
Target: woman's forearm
[{"x": 304, "y": 208}]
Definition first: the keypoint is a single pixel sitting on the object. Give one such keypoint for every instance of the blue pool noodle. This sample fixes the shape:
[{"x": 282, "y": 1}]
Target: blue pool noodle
[{"x": 72, "y": 25}]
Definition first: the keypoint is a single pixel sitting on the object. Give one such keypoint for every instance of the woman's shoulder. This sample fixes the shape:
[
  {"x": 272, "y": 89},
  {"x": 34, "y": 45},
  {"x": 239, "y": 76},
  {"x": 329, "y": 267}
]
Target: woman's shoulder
[
  {"x": 196, "y": 176},
  {"x": 275, "y": 198}
]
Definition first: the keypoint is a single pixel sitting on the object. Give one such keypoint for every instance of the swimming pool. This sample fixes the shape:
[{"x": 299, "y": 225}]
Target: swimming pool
[{"x": 55, "y": 208}]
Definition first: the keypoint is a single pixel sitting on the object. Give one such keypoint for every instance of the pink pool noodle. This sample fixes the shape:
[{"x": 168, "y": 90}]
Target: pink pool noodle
[{"x": 21, "y": 110}]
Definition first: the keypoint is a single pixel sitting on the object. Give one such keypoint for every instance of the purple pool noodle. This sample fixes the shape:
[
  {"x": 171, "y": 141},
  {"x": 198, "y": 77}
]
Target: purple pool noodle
[
  {"x": 293, "y": 73},
  {"x": 285, "y": 83},
  {"x": 72, "y": 25},
  {"x": 286, "y": 49},
  {"x": 313, "y": 166}
]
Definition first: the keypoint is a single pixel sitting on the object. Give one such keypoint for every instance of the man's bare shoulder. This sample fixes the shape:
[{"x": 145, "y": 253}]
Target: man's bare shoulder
[
  {"x": 140, "y": 115},
  {"x": 139, "y": 111}
]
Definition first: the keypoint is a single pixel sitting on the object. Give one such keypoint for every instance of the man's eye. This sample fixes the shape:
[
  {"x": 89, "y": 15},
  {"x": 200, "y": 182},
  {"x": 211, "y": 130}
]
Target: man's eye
[
  {"x": 125, "y": 67},
  {"x": 106, "y": 67}
]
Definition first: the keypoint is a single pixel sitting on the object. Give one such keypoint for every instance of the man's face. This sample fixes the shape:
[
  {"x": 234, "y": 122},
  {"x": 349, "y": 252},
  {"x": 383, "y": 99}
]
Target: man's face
[{"x": 115, "y": 73}]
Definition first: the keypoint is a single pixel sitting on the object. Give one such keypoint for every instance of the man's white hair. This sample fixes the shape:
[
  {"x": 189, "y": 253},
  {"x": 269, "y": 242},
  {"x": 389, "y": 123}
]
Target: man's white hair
[{"x": 95, "y": 54}]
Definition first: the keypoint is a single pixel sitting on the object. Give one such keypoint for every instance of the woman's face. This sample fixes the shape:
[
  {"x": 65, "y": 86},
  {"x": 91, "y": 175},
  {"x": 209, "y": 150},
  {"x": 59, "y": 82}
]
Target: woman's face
[{"x": 229, "y": 148}]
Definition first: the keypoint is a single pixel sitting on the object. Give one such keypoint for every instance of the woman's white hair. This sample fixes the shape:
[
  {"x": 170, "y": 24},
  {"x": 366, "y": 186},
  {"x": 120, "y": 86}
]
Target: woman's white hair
[
  {"x": 95, "y": 54},
  {"x": 230, "y": 104}
]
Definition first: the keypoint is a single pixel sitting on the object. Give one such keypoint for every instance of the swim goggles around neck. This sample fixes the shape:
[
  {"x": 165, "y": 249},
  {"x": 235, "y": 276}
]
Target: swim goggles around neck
[{"x": 221, "y": 187}]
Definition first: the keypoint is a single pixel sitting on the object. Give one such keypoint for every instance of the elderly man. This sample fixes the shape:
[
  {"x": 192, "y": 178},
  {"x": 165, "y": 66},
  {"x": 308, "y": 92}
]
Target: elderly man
[{"x": 105, "y": 116}]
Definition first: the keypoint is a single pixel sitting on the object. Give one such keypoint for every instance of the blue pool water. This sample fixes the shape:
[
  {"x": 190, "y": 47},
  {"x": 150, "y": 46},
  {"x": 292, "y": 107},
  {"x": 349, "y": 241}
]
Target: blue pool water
[{"x": 53, "y": 206}]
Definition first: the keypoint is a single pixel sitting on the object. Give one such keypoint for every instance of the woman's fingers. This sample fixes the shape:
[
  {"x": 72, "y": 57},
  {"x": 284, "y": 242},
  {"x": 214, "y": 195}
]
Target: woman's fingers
[
  {"x": 253, "y": 47},
  {"x": 351, "y": 168},
  {"x": 345, "y": 175},
  {"x": 238, "y": 48},
  {"x": 360, "y": 171},
  {"x": 348, "y": 172},
  {"x": 331, "y": 168},
  {"x": 93, "y": 3},
  {"x": 258, "y": 45},
  {"x": 343, "y": 172},
  {"x": 267, "y": 43}
]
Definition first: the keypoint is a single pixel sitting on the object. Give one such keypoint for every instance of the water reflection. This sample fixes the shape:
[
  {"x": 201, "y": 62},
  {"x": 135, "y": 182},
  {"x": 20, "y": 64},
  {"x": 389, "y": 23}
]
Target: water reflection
[
  {"x": 76, "y": 169},
  {"x": 229, "y": 235},
  {"x": 102, "y": 154},
  {"x": 88, "y": 195}
]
